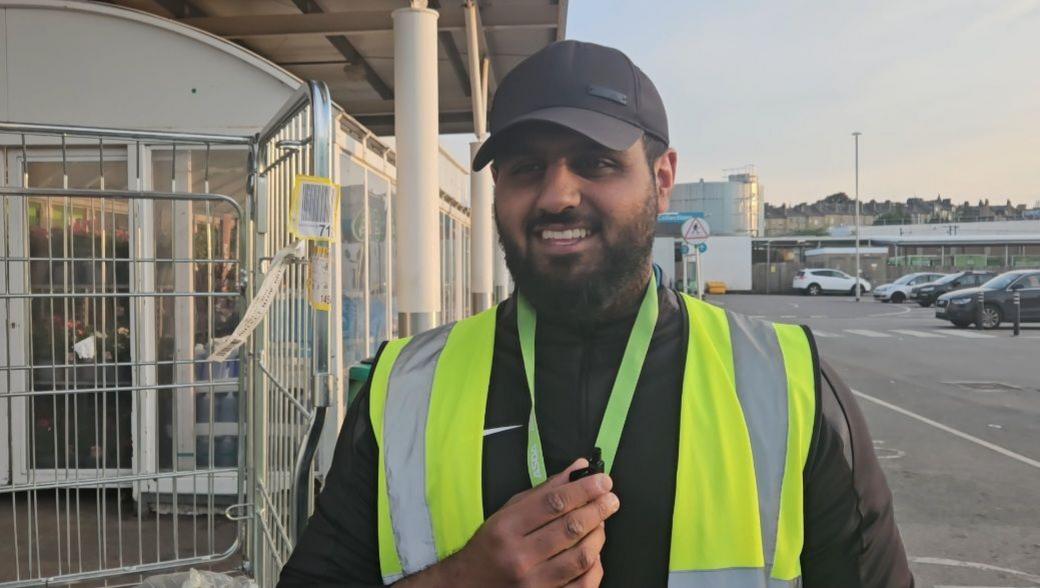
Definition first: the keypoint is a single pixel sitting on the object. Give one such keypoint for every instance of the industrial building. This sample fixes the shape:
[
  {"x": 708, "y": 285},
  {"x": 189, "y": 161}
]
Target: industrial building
[
  {"x": 735, "y": 206},
  {"x": 775, "y": 260}
]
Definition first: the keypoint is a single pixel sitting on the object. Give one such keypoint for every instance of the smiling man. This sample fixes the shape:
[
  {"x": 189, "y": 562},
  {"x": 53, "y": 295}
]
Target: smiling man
[
  {"x": 581, "y": 249},
  {"x": 721, "y": 451}
]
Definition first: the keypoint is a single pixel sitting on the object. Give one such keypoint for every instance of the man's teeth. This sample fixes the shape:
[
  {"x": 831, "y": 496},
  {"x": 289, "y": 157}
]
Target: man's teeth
[{"x": 565, "y": 235}]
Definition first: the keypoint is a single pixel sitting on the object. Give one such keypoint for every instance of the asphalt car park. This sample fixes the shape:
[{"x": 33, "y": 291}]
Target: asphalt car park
[{"x": 955, "y": 415}]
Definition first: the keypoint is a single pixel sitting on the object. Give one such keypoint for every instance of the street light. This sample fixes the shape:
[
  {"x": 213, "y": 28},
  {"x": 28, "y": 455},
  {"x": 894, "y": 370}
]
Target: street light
[{"x": 856, "y": 286}]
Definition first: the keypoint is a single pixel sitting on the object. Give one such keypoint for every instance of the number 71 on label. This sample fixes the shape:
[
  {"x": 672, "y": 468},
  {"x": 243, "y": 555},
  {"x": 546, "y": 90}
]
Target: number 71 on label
[{"x": 314, "y": 208}]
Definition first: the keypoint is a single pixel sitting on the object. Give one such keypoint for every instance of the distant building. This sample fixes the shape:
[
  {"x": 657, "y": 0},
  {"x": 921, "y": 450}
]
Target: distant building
[
  {"x": 837, "y": 214},
  {"x": 731, "y": 207},
  {"x": 834, "y": 211},
  {"x": 776, "y": 220},
  {"x": 986, "y": 212}
]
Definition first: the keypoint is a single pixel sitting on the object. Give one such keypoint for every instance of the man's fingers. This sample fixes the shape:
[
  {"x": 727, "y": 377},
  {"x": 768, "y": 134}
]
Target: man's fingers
[
  {"x": 557, "y": 480},
  {"x": 566, "y": 531},
  {"x": 572, "y": 563},
  {"x": 565, "y": 476},
  {"x": 549, "y": 502},
  {"x": 590, "y": 579}
]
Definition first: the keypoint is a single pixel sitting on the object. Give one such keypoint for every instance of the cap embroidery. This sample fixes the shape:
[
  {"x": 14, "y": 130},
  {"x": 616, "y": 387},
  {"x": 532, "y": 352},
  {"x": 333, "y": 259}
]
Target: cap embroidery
[{"x": 612, "y": 95}]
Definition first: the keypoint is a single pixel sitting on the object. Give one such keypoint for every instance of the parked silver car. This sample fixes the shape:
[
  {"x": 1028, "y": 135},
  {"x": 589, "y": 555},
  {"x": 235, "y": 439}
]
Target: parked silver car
[{"x": 899, "y": 290}]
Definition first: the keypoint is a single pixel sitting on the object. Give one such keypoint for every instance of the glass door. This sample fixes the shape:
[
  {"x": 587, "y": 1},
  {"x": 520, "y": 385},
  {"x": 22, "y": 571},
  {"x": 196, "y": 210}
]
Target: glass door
[{"x": 70, "y": 346}]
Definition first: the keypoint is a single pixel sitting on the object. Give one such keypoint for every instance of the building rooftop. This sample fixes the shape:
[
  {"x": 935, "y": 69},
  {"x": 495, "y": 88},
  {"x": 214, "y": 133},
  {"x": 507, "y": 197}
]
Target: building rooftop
[
  {"x": 846, "y": 251},
  {"x": 1023, "y": 238}
]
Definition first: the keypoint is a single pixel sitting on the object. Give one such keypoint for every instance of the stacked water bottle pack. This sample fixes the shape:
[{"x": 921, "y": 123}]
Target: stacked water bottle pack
[{"x": 222, "y": 396}]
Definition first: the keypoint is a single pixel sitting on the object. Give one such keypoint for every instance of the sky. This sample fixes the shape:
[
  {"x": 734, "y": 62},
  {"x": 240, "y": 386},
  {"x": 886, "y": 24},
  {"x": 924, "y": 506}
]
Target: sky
[{"x": 946, "y": 93}]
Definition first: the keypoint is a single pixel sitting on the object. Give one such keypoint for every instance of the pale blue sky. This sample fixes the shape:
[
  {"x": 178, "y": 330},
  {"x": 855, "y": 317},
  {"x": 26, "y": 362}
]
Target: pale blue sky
[{"x": 945, "y": 92}]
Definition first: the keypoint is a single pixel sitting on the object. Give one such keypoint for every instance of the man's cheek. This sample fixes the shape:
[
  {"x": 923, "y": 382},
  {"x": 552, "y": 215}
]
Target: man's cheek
[{"x": 522, "y": 239}]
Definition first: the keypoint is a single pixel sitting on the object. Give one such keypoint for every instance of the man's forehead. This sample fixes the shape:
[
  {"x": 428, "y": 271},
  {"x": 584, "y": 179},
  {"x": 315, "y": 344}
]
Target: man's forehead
[{"x": 546, "y": 139}]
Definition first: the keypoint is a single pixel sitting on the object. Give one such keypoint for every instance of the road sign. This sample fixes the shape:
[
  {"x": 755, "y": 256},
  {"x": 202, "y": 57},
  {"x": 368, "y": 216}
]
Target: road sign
[
  {"x": 684, "y": 248},
  {"x": 702, "y": 247},
  {"x": 695, "y": 230}
]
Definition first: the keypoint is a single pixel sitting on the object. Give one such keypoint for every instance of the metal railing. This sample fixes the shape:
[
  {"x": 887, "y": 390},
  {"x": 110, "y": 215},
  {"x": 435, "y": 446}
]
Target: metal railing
[
  {"x": 291, "y": 382},
  {"x": 121, "y": 444}
]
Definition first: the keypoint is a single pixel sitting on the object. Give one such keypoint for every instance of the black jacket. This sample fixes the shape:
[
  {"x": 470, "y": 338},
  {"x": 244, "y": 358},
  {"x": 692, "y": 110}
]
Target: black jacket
[{"x": 851, "y": 539}]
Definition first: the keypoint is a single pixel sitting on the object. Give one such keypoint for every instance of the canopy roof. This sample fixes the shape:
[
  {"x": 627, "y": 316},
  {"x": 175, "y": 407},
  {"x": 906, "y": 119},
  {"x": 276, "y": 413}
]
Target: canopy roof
[{"x": 349, "y": 44}]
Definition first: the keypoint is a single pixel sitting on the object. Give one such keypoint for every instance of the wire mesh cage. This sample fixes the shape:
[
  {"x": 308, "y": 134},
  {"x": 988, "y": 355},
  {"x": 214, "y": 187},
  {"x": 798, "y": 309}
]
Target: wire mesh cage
[
  {"x": 120, "y": 266},
  {"x": 290, "y": 380},
  {"x": 126, "y": 446}
]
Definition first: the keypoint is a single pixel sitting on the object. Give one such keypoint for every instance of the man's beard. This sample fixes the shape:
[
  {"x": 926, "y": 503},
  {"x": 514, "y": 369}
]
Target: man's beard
[{"x": 579, "y": 297}]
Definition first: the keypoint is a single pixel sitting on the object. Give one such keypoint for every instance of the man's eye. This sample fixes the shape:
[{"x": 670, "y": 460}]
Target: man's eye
[
  {"x": 526, "y": 167},
  {"x": 597, "y": 164}
]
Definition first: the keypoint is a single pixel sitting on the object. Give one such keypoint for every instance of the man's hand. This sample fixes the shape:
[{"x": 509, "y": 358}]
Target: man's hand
[{"x": 548, "y": 536}]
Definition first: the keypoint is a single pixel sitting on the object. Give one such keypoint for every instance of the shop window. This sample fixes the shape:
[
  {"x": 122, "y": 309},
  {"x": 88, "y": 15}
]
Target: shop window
[
  {"x": 354, "y": 252},
  {"x": 78, "y": 341}
]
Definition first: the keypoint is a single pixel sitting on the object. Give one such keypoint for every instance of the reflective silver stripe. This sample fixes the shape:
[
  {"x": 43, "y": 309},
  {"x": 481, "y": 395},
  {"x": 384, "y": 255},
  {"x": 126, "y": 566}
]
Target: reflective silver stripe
[
  {"x": 409, "y": 389},
  {"x": 728, "y": 578},
  {"x": 761, "y": 382}
]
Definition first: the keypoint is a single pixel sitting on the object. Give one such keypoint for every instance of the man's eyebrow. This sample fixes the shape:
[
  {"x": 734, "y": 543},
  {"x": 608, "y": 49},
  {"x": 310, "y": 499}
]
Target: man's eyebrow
[{"x": 598, "y": 149}]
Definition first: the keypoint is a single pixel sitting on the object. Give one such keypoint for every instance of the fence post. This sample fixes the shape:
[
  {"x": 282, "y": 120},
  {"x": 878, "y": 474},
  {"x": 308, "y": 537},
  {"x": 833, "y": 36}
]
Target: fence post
[
  {"x": 980, "y": 311},
  {"x": 1017, "y": 299},
  {"x": 295, "y": 366},
  {"x": 769, "y": 266}
]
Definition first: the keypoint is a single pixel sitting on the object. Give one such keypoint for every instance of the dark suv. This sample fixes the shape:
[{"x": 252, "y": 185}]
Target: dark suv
[
  {"x": 926, "y": 294},
  {"x": 961, "y": 307}
]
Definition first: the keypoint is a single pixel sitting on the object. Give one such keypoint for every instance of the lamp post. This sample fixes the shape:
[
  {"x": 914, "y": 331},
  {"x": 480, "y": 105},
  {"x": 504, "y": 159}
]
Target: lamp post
[{"x": 856, "y": 286}]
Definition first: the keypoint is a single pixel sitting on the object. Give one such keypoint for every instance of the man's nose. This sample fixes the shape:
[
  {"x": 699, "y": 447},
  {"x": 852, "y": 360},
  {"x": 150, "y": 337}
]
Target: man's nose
[{"x": 561, "y": 189}]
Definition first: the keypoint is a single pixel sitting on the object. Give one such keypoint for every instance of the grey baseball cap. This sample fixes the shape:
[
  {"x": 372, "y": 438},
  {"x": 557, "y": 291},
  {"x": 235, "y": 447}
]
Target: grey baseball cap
[{"x": 590, "y": 89}]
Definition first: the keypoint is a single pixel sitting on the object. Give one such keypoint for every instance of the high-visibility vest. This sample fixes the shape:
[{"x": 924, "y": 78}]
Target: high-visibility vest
[{"x": 749, "y": 394}]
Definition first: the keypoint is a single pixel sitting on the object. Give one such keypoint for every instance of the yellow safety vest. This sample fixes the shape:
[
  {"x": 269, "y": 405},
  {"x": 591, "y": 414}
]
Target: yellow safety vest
[{"x": 749, "y": 393}]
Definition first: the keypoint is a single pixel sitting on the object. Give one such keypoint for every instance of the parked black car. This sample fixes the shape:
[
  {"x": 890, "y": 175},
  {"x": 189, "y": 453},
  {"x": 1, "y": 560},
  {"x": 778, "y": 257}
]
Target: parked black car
[
  {"x": 962, "y": 307},
  {"x": 926, "y": 294}
]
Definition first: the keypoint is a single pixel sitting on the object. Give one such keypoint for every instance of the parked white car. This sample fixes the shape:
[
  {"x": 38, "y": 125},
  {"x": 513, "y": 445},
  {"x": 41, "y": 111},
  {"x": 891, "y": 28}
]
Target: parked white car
[
  {"x": 899, "y": 290},
  {"x": 817, "y": 281}
]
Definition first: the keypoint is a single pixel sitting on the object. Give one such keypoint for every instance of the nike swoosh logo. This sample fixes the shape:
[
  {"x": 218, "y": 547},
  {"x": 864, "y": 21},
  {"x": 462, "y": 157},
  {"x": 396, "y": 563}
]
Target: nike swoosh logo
[{"x": 500, "y": 429}]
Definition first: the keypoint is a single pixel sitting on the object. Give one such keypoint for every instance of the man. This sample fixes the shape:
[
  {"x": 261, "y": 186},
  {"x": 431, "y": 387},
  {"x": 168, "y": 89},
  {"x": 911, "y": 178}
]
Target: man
[{"x": 731, "y": 456}]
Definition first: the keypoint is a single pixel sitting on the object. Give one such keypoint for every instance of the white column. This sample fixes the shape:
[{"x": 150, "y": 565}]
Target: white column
[
  {"x": 483, "y": 245},
  {"x": 184, "y": 310},
  {"x": 856, "y": 287},
  {"x": 477, "y": 85},
  {"x": 415, "y": 129},
  {"x": 143, "y": 316}
]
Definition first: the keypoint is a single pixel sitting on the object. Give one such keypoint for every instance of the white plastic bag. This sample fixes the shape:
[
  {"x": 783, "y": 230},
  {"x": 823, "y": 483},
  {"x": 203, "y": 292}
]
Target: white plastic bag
[{"x": 198, "y": 579}]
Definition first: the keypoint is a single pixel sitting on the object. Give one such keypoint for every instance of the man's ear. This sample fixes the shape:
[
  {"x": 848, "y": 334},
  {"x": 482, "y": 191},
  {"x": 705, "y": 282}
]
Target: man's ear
[{"x": 664, "y": 173}]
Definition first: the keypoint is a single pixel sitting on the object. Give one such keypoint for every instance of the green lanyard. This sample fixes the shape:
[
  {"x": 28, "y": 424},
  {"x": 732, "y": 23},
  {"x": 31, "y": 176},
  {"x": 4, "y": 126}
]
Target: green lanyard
[{"x": 621, "y": 394}]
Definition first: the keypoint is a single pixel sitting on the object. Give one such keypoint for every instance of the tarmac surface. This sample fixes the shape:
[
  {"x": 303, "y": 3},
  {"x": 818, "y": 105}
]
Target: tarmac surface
[{"x": 955, "y": 416}]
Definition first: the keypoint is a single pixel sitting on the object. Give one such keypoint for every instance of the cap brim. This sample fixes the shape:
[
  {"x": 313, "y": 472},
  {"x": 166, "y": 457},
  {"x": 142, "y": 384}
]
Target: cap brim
[{"x": 606, "y": 130}]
